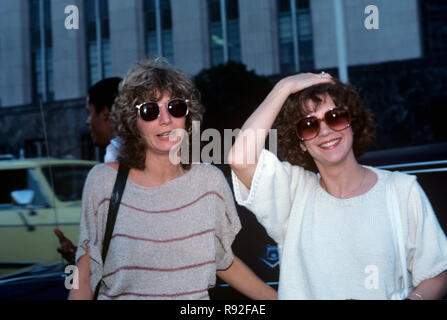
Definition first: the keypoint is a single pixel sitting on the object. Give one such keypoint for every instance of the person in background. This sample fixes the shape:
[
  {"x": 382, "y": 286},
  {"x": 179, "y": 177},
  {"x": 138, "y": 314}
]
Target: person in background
[
  {"x": 100, "y": 99},
  {"x": 329, "y": 214}
]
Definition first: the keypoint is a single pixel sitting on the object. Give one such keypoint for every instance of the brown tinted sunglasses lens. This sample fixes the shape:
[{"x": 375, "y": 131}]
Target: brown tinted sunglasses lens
[
  {"x": 337, "y": 119},
  {"x": 307, "y": 128}
]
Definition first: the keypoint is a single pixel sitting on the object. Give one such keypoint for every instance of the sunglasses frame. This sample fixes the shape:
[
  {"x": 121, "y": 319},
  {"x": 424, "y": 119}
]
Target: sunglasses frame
[
  {"x": 167, "y": 107},
  {"x": 321, "y": 120}
]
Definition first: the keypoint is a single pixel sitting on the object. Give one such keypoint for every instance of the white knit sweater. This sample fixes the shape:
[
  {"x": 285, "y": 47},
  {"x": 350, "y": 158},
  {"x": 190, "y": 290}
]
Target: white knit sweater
[{"x": 334, "y": 248}]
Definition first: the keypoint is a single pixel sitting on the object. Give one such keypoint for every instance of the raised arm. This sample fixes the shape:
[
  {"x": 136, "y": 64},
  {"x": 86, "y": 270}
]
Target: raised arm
[{"x": 243, "y": 156}]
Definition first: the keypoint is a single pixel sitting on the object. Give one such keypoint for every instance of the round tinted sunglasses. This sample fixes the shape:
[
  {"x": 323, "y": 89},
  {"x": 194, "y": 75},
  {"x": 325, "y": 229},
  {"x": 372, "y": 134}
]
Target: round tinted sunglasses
[
  {"x": 150, "y": 111},
  {"x": 308, "y": 127}
]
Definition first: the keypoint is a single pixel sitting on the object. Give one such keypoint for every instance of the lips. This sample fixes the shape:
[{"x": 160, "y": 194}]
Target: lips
[
  {"x": 330, "y": 144},
  {"x": 168, "y": 136},
  {"x": 165, "y": 134}
]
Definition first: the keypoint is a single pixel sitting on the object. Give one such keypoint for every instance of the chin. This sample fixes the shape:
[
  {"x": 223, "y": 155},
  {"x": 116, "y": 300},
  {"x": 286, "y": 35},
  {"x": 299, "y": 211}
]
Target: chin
[
  {"x": 161, "y": 149},
  {"x": 331, "y": 159}
]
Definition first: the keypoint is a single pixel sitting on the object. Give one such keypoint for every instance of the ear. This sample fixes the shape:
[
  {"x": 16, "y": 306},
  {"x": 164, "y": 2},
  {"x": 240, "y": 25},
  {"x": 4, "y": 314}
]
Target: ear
[{"x": 105, "y": 114}]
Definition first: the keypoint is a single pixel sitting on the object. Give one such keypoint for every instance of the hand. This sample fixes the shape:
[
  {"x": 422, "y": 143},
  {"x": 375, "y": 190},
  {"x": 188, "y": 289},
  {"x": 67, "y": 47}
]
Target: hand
[
  {"x": 302, "y": 81},
  {"x": 66, "y": 248}
]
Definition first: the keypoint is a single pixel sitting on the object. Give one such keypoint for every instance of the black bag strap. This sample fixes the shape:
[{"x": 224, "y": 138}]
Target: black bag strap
[{"x": 115, "y": 200}]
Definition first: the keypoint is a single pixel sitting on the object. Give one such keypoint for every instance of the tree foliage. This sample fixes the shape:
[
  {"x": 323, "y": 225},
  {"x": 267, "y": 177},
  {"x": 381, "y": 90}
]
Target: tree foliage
[{"x": 230, "y": 93}]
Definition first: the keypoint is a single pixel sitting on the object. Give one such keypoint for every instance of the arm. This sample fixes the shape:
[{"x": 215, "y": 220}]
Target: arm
[
  {"x": 66, "y": 248},
  {"x": 84, "y": 291},
  {"x": 428, "y": 243},
  {"x": 241, "y": 278},
  {"x": 431, "y": 289},
  {"x": 243, "y": 156}
]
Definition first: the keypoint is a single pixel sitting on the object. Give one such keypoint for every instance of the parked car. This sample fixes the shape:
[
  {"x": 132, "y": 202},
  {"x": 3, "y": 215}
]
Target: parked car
[{"x": 36, "y": 196}]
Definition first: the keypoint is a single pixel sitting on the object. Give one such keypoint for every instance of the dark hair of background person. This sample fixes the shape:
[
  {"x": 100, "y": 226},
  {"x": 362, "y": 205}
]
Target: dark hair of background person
[
  {"x": 297, "y": 105},
  {"x": 103, "y": 93}
]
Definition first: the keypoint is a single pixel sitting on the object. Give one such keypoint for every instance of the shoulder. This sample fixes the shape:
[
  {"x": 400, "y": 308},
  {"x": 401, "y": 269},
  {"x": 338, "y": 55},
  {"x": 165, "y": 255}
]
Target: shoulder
[
  {"x": 207, "y": 170},
  {"x": 208, "y": 175},
  {"x": 404, "y": 184},
  {"x": 399, "y": 178},
  {"x": 102, "y": 171},
  {"x": 114, "y": 165},
  {"x": 270, "y": 162}
]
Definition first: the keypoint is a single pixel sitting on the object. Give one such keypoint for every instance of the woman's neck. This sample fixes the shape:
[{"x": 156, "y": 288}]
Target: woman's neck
[
  {"x": 158, "y": 170},
  {"x": 345, "y": 180}
]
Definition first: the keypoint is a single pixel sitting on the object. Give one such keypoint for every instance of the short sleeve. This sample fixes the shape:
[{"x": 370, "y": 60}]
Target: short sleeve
[
  {"x": 227, "y": 224},
  {"x": 91, "y": 229},
  {"x": 428, "y": 243},
  {"x": 272, "y": 193}
]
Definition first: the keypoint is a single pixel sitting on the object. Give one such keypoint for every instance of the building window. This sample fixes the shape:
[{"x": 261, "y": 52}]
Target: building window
[
  {"x": 158, "y": 29},
  {"x": 434, "y": 28},
  {"x": 295, "y": 36},
  {"x": 98, "y": 40},
  {"x": 41, "y": 51},
  {"x": 225, "y": 41}
]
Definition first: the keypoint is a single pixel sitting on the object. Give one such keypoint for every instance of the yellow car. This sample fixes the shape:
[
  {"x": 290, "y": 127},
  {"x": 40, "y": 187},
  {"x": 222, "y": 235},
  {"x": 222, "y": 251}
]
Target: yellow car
[{"x": 37, "y": 196}]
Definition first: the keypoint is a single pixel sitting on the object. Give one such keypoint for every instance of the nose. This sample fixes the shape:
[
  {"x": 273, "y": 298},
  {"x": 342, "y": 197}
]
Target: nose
[
  {"x": 324, "y": 129},
  {"x": 87, "y": 121},
  {"x": 165, "y": 116}
]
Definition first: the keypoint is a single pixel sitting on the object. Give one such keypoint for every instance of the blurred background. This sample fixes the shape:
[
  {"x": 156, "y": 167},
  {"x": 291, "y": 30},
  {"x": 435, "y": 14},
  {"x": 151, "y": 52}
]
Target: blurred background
[{"x": 234, "y": 49}]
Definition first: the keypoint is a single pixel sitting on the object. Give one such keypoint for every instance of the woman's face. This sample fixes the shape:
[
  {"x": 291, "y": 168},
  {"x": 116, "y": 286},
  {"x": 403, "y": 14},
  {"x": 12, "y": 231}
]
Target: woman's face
[
  {"x": 330, "y": 147},
  {"x": 159, "y": 134}
]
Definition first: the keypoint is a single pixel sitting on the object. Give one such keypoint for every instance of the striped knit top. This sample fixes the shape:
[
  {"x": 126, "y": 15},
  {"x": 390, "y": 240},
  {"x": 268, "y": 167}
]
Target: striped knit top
[{"x": 168, "y": 240}]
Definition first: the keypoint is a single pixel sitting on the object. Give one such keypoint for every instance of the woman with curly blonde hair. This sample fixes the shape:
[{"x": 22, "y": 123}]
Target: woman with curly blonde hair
[
  {"x": 344, "y": 230},
  {"x": 176, "y": 222}
]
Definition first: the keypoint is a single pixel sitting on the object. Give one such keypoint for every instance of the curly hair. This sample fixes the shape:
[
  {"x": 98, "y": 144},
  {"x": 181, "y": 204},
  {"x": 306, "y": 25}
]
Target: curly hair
[
  {"x": 298, "y": 105},
  {"x": 145, "y": 81}
]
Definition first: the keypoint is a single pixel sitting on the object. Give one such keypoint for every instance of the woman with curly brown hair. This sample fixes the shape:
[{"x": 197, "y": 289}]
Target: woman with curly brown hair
[
  {"x": 344, "y": 230},
  {"x": 176, "y": 222}
]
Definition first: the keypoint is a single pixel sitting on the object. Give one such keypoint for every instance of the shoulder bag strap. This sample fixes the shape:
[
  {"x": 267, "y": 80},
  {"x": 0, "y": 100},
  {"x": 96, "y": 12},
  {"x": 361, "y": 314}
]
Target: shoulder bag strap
[{"x": 115, "y": 199}]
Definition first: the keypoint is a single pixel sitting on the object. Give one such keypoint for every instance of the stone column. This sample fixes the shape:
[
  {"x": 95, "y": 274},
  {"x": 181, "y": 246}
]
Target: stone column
[
  {"x": 190, "y": 35},
  {"x": 259, "y": 36},
  {"x": 126, "y": 34},
  {"x": 397, "y": 38},
  {"x": 15, "y": 53},
  {"x": 69, "y": 51}
]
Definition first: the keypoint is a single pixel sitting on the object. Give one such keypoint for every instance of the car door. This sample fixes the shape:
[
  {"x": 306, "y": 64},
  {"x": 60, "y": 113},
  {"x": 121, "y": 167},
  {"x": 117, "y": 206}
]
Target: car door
[
  {"x": 66, "y": 181},
  {"x": 26, "y": 233},
  {"x": 23, "y": 229}
]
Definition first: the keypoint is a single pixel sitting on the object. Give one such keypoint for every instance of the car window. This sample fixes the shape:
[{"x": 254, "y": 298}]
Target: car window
[
  {"x": 68, "y": 180},
  {"x": 20, "y": 179},
  {"x": 16, "y": 181}
]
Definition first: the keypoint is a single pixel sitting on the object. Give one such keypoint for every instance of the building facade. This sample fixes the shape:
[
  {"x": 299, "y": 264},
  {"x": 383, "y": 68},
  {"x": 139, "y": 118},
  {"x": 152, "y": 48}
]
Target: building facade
[{"x": 51, "y": 51}]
